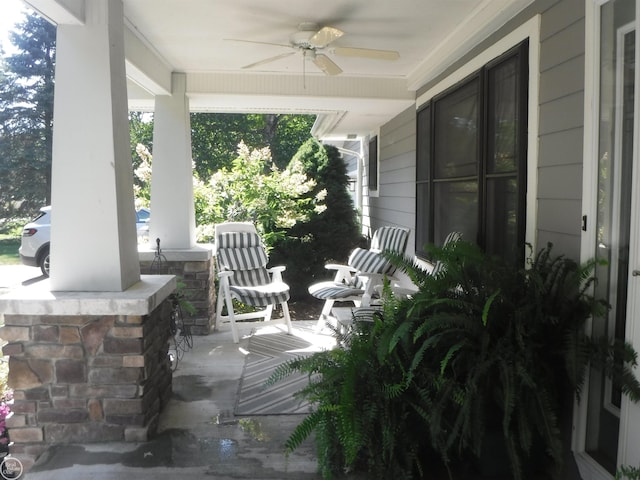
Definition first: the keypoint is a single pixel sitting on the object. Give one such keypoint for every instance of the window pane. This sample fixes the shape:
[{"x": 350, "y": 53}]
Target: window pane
[
  {"x": 422, "y": 216},
  {"x": 455, "y": 209},
  {"x": 503, "y": 117},
  {"x": 372, "y": 181},
  {"x": 456, "y": 133},
  {"x": 502, "y": 218},
  {"x": 423, "y": 143}
]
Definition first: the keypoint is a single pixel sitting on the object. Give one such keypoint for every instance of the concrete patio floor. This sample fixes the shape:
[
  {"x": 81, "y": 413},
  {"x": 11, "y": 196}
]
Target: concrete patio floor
[{"x": 198, "y": 436}]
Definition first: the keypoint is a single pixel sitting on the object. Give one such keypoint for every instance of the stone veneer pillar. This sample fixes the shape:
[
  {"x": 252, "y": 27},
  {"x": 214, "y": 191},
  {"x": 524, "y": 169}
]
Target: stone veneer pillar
[
  {"x": 195, "y": 270},
  {"x": 86, "y": 367}
]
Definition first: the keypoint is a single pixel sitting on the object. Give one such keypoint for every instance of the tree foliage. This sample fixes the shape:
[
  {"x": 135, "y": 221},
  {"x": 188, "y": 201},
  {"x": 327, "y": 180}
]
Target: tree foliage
[
  {"x": 26, "y": 117},
  {"x": 215, "y": 137},
  {"x": 328, "y": 236},
  {"x": 254, "y": 189}
]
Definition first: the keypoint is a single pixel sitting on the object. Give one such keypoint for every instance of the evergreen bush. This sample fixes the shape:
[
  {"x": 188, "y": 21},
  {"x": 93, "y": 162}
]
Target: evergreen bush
[{"x": 328, "y": 235}]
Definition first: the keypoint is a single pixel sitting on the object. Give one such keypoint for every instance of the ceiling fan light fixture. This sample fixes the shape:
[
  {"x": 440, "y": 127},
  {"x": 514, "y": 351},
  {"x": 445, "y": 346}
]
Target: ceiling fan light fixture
[{"x": 301, "y": 38}]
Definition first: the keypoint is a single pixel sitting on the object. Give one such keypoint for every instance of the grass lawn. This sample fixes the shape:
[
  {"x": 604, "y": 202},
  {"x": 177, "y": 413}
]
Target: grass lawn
[{"x": 9, "y": 250}]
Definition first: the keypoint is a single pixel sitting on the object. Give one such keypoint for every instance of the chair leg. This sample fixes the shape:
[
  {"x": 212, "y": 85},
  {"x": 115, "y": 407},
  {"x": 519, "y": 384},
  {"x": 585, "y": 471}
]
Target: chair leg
[
  {"x": 267, "y": 313},
  {"x": 287, "y": 317},
  {"x": 232, "y": 316},
  {"x": 219, "y": 302},
  {"x": 325, "y": 314}
]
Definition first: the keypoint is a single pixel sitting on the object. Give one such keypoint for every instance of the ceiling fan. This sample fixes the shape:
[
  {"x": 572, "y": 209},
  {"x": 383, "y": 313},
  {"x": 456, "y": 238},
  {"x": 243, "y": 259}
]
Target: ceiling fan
[{"x": 313, "y": 41}]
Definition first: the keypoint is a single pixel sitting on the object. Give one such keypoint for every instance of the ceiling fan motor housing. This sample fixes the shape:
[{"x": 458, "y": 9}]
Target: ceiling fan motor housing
[{"x": 302, "y": 38}]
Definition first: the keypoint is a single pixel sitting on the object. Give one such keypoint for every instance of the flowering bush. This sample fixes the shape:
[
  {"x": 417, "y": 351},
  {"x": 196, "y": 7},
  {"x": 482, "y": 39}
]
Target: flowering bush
[
  {"x": 6, "y": 400},
  {"x": 5, "y": 412},
  {"x": 256, "y": 190}
]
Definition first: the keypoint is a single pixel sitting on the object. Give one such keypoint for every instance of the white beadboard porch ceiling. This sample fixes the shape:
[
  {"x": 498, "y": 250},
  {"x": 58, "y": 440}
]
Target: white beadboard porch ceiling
[{"x": 192, "y": 37}]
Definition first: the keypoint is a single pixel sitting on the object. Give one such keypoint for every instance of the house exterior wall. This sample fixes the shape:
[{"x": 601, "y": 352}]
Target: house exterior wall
[
  {"x": 558, "y": 194},
  {"x": 556, "y": 203},
  {"x": 561, "y": 127},
  {"x": 395, "y": 203}
]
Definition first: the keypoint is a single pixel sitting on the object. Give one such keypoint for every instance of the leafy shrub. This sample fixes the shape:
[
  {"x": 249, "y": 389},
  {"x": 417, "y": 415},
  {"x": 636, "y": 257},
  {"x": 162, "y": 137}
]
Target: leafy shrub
[
  {"x": 329, "y": 234},
  {"x": 628, "y": 473},
  {"x": 255, "y": 190},
  {"x": 482, "y": 348}
]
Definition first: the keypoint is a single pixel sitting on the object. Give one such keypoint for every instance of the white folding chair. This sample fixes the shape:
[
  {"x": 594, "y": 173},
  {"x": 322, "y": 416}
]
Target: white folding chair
[{"x": 241, "y": 261}]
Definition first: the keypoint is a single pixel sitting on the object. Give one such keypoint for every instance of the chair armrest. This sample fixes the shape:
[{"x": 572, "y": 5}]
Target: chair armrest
[
  {"x": 277, "y": 268},
  {"x": 338, "y": 266},
  {"x": 276, "y": 272},
  {"x": 343, "y": 272},
  {"x": 225, "y": 274}
]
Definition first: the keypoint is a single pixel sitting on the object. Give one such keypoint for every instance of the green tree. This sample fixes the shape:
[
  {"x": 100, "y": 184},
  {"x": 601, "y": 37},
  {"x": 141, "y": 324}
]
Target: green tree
[
  {"x": 329, "y": 235},
  {"x": 26, "y": 119},
  {"x": 215, "y": 137}
]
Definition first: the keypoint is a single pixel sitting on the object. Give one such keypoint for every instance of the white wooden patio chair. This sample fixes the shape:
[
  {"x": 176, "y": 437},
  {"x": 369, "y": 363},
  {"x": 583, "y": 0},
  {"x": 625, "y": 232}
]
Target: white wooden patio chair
[{"x": 241, "y": 261}]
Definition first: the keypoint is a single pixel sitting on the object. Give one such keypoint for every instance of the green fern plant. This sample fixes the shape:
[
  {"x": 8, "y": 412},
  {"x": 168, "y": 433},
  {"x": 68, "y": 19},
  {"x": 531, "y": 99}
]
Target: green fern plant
[
  {"x": 483, "y": 348},
  {"x": 360, "y": 424},
  {"x": 628, "y": 472},
  {"x": 493, "y": 348}
]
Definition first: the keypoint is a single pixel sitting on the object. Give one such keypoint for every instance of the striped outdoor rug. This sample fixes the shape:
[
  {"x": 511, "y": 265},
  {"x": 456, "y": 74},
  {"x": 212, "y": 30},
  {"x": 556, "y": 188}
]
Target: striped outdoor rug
[{"x": 266, "y": 352}]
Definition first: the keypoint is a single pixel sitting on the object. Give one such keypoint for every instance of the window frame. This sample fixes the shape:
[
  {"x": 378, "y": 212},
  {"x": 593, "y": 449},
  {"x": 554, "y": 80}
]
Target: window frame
[
  {"x": 373, "y": 168},
  {"x": 426, "y": 180}
]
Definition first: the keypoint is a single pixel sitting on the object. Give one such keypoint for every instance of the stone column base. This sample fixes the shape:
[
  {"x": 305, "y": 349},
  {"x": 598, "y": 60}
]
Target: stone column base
[{"x": 86, "y": 366}]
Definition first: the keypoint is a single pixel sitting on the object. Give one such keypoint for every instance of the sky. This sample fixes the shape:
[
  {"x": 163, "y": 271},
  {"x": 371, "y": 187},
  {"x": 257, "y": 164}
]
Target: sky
[{"x": 10, "y": 13}]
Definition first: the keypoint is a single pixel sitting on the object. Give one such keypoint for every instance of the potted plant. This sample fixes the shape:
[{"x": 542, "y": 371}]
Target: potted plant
[{"x": 483, "y": 348}]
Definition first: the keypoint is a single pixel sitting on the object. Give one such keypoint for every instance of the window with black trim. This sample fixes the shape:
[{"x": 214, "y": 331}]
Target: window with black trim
[
  {"x": 471, "y": 159},
  {"x": 372, "y": 174}
]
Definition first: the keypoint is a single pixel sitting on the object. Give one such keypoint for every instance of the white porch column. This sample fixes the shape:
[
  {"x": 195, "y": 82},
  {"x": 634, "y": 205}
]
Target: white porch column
[
  {"x": 93, "y": 231},
  {"x": 173, "y": 214}
]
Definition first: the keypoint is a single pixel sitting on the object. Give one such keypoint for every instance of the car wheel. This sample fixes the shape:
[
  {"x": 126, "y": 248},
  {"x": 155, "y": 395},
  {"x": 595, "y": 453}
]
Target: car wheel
[{"x": 44, "y": 262}]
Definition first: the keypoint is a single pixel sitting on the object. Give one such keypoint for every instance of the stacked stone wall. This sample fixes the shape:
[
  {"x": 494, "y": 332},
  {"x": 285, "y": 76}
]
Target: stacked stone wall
[
  {"x": 84, "y": 378},
  {"x": 196, "y": 282}
]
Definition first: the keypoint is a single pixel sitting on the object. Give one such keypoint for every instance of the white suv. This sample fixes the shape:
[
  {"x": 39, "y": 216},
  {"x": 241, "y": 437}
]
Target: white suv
[{"x": 34, "y": 249}]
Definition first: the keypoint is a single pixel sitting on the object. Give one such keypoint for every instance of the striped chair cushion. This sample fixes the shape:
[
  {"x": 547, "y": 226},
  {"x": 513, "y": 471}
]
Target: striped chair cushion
[
  {"x": 250, "y": 278},
  {"x": 384, "y": 239},
  {"x": 390, "y": 238},
  {"x": 334, "y": 291},
  {"x": 240, "y": 251},
  {"x": 453, "y": 237},
  {"x": 368, "y": 261},
  {"x": 262, "y": 296}
]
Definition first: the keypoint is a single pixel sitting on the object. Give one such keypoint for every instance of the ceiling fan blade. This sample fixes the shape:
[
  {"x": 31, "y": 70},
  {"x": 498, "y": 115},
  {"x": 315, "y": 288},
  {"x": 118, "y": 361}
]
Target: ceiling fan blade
[
  {"x": 327, "y": 65},
  {"x": 269, "y": 60},
  {"x": 366, "y": 53},
  {"x": 259, "y": 43},
  {"x": 325, "y": 36}
]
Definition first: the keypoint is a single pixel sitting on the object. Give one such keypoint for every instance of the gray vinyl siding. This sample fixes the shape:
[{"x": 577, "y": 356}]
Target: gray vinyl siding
[
  {"x": 560, "y": 142},
  {"x": 560, "y": 161},
  {"x": 560, "y": 129},
  {"x": 395, "y": 203}
]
